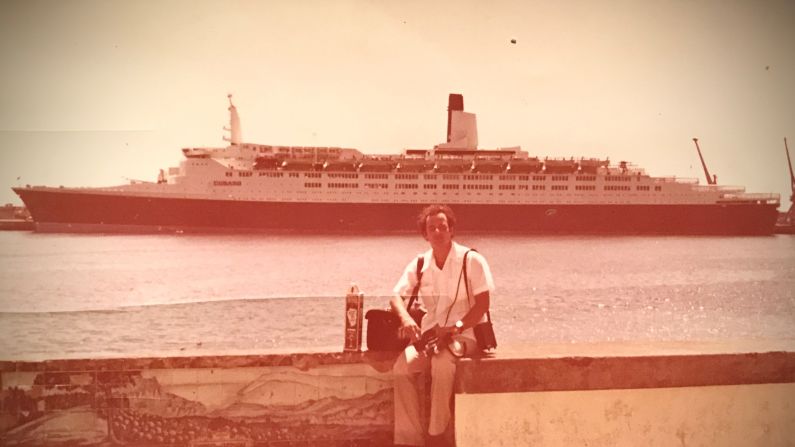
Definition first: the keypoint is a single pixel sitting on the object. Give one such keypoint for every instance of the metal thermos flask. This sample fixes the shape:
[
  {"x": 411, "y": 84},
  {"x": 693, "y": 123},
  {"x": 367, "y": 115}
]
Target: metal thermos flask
[{"x": 354, "y": 303}]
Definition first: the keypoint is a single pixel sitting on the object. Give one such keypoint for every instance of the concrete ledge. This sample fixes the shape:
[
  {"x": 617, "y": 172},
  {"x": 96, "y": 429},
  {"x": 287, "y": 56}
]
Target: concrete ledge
[
  {"x": 496, "y": 375},
  {"x": 672, "y": 398},
  {"x": 302, "y": 361},
  {"x": 624, "y": 394}
]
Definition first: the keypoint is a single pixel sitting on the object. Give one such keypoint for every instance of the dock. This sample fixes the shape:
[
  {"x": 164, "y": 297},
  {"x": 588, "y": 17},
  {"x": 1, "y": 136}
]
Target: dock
[
  {"x": 15, "y": 218},
  {"x": 16, "y": 225}
]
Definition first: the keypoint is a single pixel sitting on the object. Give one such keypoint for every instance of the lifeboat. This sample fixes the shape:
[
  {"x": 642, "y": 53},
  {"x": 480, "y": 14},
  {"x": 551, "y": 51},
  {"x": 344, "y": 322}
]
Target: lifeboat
[
  {"x": 560, "y": 166},
  {"x": 526, "y": 166},
  {"x": 300, "y": 164},
  {"x": 592, "y": 165},
  {"x": 340, "y": 166},
  {"x": 377, "y": 165},
  {"x": 415, "y": 161},
  {"x": 269, "y": 163},
  {"x": 452, "y": 166}
]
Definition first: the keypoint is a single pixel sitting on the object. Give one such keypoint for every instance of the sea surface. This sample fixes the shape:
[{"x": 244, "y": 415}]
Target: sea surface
[{"x": 89, "y": 296}]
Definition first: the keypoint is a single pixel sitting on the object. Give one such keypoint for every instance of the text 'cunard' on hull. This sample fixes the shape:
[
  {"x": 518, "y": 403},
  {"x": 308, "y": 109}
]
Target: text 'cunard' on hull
[{"x": 247, "y": 187}]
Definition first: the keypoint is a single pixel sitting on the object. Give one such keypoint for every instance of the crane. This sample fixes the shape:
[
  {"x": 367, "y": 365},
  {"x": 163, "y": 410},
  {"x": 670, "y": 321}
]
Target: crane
[{"x": 711, "y": 179}]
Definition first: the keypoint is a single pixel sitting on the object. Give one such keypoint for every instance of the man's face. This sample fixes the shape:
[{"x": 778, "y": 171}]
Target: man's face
[{"x": 437, "y": 231}]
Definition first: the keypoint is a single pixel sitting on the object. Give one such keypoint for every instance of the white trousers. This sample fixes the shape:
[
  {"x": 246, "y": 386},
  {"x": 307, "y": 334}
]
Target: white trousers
[{"x": 409, "y": 428}]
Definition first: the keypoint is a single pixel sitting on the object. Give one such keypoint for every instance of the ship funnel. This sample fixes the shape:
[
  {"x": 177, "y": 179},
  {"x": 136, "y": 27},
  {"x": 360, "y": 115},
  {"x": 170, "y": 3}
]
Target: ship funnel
[
  {"x": 462, "y": 128},
  {"x": 454, "y": 102},
  {"x": 235, "y": 135}
]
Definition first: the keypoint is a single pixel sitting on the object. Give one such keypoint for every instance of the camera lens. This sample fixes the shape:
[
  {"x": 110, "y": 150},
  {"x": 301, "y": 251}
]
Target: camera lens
[{"x": 457, "y": 348}]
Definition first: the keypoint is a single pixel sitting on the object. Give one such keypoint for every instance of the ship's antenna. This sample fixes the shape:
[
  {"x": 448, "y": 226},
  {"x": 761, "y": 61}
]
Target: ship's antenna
[
  {"x": 711, "y": 180},
  {"x": 234, "y": 124},
  {"x": 791, "y": 183},
  {"x": 789, "y": 162}
]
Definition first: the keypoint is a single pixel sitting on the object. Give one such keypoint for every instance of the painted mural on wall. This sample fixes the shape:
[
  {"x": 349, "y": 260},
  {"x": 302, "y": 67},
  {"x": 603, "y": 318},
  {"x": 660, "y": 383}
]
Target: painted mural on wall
[{"x": 328, "y": 404}]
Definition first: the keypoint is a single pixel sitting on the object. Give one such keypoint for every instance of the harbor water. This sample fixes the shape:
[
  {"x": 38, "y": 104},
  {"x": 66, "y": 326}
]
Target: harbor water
[{"x": 88, "y": 296}]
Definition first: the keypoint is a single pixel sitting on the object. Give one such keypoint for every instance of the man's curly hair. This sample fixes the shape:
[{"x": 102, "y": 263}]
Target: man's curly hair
[{"x": 433, "y": 210}]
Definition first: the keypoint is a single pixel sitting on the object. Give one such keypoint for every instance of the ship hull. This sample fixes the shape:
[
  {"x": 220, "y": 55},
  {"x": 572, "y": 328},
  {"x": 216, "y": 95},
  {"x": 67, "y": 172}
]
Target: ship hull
[{"x": 64, "y": 210}]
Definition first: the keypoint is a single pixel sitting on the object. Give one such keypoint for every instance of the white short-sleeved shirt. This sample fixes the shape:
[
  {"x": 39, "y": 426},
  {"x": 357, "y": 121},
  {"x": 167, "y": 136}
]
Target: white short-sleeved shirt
[{"x": 438, "y": 286}]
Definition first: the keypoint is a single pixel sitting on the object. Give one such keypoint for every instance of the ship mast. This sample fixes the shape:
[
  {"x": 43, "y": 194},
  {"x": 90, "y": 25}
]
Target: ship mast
[
  {"x": 791, "y": 210},
  {"x": 235, "y": 136},
  {"x": 711, "y": 180}
]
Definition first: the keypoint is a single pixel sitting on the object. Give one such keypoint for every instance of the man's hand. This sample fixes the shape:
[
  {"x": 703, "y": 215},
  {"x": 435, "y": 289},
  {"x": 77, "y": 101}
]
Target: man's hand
[
  {"x": 444, "y": 331},
  {"x": 410, "y": 330}
]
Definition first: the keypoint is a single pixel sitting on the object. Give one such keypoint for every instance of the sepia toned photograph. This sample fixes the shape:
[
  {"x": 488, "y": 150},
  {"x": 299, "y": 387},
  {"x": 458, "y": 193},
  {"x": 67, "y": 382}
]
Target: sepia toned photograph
[{"x": 420, "y": 223}]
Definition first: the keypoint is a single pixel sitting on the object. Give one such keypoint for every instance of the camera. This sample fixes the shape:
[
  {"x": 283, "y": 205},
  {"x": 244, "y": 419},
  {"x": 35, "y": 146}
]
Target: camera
[{"x": 430, "y": 344}]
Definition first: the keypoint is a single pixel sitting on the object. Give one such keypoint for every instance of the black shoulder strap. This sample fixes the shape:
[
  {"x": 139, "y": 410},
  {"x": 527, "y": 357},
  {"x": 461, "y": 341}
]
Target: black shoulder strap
[
  {"x": 466, "y": 284},
  {"x": 420, "y": 262}
]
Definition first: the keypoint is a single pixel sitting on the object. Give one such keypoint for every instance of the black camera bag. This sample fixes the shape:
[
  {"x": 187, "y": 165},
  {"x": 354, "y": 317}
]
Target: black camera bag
[
  {"x": 383, "y": 325},
  {"x": 484, "y": 332}
]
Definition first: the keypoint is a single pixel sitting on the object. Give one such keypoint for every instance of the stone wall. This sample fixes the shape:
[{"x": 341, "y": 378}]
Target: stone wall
[
  {"x": 296, "y": 399},
  {"x": 592, "y": 396}
]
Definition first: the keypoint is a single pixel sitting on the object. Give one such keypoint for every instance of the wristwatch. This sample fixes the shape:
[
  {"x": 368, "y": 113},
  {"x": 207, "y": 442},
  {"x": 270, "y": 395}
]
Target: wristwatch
[{"x": 459, "y": 327}]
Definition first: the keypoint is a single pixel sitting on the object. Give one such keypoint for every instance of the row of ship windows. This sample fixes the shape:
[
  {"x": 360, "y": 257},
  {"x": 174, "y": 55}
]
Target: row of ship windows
[
  {"x": 618, "y": 178},
  {"x": 292, "y": 149},
  {"x": 538, "y": 178},
  {"x": 444, "y": 177},
  {"x": 271, "y": 174},
  {"x": 478, "y": 187}
]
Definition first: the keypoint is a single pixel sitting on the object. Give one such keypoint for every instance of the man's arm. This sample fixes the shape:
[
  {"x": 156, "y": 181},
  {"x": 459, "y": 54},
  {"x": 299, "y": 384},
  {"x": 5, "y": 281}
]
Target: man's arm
[
  {"x": 408, "y": 327},
  {"x": 472, "y": 318},
  {"x": 481, "y": 306}
]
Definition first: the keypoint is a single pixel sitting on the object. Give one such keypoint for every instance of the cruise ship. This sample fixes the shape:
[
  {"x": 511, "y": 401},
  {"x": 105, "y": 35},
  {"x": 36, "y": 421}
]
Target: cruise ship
[{"x": 245, "y": 187}]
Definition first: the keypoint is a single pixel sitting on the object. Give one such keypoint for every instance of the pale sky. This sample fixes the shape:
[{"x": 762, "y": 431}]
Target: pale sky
[{"x": 92, "y": 92}]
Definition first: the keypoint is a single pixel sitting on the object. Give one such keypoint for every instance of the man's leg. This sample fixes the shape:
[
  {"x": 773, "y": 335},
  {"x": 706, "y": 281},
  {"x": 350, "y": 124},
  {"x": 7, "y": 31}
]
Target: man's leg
[
  {"x": 442, "y": 378},
  {"x": 408, "y": 423},
  {"x": 443, "y": 366}
]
